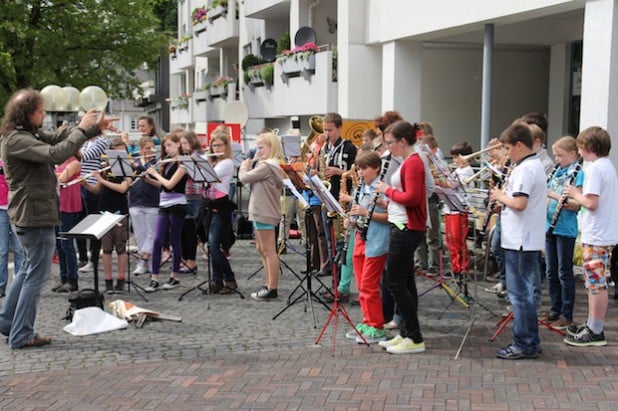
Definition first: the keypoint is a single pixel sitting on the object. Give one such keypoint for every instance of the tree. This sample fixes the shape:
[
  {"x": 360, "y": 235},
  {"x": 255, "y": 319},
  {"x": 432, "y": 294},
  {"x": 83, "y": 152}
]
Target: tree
[{"x": 79, "y": 43}]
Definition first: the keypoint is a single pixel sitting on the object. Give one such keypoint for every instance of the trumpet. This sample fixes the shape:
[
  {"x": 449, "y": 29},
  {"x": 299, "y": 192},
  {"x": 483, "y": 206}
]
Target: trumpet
[{"x": 472, "y": 156}]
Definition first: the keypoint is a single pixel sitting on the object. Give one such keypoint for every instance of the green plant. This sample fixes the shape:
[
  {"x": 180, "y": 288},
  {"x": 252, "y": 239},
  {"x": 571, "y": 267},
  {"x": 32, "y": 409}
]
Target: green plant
[
  {"x": 283, "y": 43},
  {"x": 249, "y": 60},
  {"x": 222, "y": 81},
  {"x": 246, "y": 77},
  {"x": 268, "y": 73},
  {"x": 182, "y": 101}
]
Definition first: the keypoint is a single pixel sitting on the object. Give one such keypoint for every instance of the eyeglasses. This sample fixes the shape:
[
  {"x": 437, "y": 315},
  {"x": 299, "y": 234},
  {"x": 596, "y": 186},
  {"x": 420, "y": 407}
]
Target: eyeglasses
[
  {"x": 376, "y": 148},
  {"x": 217, "y": 145}
]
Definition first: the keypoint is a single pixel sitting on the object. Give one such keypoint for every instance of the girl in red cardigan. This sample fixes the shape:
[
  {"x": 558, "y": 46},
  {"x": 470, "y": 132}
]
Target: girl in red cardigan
[{"x": 407, "y": 214}]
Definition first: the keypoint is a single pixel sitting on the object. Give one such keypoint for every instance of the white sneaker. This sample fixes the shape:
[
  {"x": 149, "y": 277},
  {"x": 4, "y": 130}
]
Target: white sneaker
[
  {"x": 141, "y": 269},
  {"x": 496, "y": 289},
  {"x": 88, "y": 268}
]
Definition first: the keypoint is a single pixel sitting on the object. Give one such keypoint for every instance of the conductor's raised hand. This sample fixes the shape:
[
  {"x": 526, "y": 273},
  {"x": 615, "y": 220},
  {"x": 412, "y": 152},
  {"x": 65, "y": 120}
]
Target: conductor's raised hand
[
  {"x": 88, "y": 120},
  {"x": 105, "y": 122}
]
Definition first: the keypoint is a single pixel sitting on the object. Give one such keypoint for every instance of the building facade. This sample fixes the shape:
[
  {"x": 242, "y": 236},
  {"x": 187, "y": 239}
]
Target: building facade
[{"x": 470, "y": 68}]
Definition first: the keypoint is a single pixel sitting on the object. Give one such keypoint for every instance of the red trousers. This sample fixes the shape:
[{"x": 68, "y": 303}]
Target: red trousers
[
  {"x": 456, "y": 233},
  {"x": 368, "y": 272}
]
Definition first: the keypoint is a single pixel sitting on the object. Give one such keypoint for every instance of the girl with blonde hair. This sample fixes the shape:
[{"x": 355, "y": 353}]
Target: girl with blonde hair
[{"x": 265, "y": 207}]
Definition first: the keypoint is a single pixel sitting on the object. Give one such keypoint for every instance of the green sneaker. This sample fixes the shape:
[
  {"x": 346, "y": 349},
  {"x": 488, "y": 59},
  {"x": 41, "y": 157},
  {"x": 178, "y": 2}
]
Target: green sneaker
[
  {"x": 372, "y": 335},
  {"x": 351, "y": 335}
]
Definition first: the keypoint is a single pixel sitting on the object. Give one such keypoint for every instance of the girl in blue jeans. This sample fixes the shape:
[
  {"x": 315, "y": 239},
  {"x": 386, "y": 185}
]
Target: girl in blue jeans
[{"x": 560, "y": 239}]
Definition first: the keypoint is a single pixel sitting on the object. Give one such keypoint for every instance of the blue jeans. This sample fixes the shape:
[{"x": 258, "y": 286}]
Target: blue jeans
[
  {"x": 522, "y": 269},
  {"x": 401, "y": 281},
  {"x": 559, "y": 262},
  {"x": 18, "y": 312},
  {"x": 65, "y": 247},
  {"x": 8, "y": 238},
  {"x": 221, "y": 269}
]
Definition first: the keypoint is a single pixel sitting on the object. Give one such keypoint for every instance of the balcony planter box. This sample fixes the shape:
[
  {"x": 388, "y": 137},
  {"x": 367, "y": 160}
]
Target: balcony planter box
[
  {"x": 216, "y": 12},
  {"x": 199, "y": 27},
  {"x": 292, "y": 67},
  {"x": 201, "y": 95},
  {"x": 220, "y": 91},
  {"x": 183, "y": 47}
]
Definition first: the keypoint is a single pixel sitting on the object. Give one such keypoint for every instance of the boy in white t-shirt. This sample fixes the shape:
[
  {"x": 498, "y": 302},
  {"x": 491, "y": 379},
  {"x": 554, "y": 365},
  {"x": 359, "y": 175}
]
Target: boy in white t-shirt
[
  {"x": 522, "y": 238},
  {"x": 599, "y": 231}
]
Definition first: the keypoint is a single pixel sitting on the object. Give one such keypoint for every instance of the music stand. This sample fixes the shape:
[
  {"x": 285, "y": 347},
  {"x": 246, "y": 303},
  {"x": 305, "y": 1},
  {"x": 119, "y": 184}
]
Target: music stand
[
  {"x": 332, "y": 207},
  {"x": 200, "y": 170},
  {"x": 94, "y": 227},
  {"x": 295, "y": 183}
]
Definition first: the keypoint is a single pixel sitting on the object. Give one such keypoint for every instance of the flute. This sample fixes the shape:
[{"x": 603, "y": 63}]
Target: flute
[
  {"x": 158, "y": 163},
  {"x": 84, "y": 177}
]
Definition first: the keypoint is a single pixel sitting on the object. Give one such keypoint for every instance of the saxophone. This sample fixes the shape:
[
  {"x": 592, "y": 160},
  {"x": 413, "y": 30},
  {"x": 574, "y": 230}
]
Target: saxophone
[{"x": 343, "y": 189}]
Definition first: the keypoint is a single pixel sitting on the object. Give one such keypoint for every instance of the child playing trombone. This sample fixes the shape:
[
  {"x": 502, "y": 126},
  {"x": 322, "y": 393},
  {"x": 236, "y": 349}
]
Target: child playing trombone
[{"x": 456, "y": 221}]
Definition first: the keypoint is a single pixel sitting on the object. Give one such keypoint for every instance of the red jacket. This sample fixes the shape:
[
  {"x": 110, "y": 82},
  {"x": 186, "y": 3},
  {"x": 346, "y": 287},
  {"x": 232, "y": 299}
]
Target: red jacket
[{"x": 413, "y": 194}]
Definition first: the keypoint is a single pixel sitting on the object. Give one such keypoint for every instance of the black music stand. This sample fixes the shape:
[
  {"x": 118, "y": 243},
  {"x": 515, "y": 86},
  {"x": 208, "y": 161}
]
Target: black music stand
[
  {"x": 94, "y": 227},
  {"x": 306, "y": 291},
  {"x": 200, "y": 170},
  {"x": 332, "y": 207}
]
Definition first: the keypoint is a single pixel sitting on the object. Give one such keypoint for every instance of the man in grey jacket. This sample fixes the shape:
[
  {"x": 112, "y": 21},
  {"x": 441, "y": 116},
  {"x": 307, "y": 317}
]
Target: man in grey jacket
[{"x": 29, "y": 157}]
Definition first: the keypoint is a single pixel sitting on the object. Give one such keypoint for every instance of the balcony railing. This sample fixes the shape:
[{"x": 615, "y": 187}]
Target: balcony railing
[
  {"x": 306, "y": 94},
  {"x": 182, "y": 59},
  {"x": 267, "y": 9},
  {"x": 222, "y": 27}
]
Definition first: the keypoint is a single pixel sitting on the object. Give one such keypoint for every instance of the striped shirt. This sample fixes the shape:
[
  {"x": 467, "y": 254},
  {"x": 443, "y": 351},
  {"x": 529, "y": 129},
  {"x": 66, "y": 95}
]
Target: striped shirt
[{"x": 92, "y": 150}]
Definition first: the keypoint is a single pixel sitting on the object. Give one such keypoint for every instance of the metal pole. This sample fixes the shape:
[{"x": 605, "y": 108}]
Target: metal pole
[{"x": 488, "y": 51}]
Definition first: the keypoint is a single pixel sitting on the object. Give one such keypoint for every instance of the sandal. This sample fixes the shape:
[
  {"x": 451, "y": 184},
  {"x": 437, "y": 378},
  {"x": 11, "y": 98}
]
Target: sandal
[{"x": 37, "y": 341}]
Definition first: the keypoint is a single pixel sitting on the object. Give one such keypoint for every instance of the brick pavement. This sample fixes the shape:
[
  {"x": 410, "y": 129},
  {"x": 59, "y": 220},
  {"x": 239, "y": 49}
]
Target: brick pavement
[{"x": 228, "y": 353}]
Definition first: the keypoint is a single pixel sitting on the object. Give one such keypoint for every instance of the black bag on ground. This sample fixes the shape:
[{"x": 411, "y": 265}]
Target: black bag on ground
[
  {"x": 243, "y": 227},
  {"x": 86, "y": 297}
]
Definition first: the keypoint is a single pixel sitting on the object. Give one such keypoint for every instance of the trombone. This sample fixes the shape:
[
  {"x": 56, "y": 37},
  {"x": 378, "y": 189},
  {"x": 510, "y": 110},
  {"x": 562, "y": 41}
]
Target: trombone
[{"x": 472, "y": 156}]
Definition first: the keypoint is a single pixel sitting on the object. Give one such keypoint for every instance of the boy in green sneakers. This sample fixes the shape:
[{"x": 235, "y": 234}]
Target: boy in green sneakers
[{"x": 370, "y": 249}]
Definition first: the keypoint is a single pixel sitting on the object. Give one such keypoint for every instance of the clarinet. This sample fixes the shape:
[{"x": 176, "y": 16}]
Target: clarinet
[
  {"x": 563, "y": 200},
  {"x": 506, "y": 172},
  {"x": 341, "y": 257},
  {"x": 374, "y": 199}
]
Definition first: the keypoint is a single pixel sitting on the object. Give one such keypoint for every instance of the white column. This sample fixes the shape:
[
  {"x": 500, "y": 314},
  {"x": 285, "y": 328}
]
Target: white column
[
  {"x": 559, "y": 89},
  {"x": 599, "y": 100},
  {"x": 402, "y": 78}
]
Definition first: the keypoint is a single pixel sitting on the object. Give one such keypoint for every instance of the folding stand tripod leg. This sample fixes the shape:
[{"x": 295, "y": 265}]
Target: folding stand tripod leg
[
  {"x": 337, "y": 308},
  {"x": 504, "y": 321},
  {"x": 440, "y": 283},
  {"x": 307, "y": 291}
]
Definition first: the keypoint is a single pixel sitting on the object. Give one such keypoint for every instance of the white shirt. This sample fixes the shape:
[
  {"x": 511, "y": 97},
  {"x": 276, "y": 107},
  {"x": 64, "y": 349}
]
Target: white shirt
[
  {"x": 225, "y": 172},
  {"x": 600, "y": 227},
  {"x": 396, "y": 211},
  {"x": 461, "y": 174},
  {"x": 525, "y": 230}
]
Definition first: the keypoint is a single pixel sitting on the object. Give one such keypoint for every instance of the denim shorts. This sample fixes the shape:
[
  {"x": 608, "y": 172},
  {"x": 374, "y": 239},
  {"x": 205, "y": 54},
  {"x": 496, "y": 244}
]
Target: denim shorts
[{"x": 261, "y": 226}]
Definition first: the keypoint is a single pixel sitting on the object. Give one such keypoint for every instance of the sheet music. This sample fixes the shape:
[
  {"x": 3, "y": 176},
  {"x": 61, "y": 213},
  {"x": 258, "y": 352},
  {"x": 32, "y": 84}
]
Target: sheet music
[
  {"x": 320, "y": 190},
  {"x": 291, "y": 146},
  {"x": 199, "y": 169},
  {"x": 95, "y": 225},
  {"x": 120, "y": 163},
  {"x": 288, "y": 183}
]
